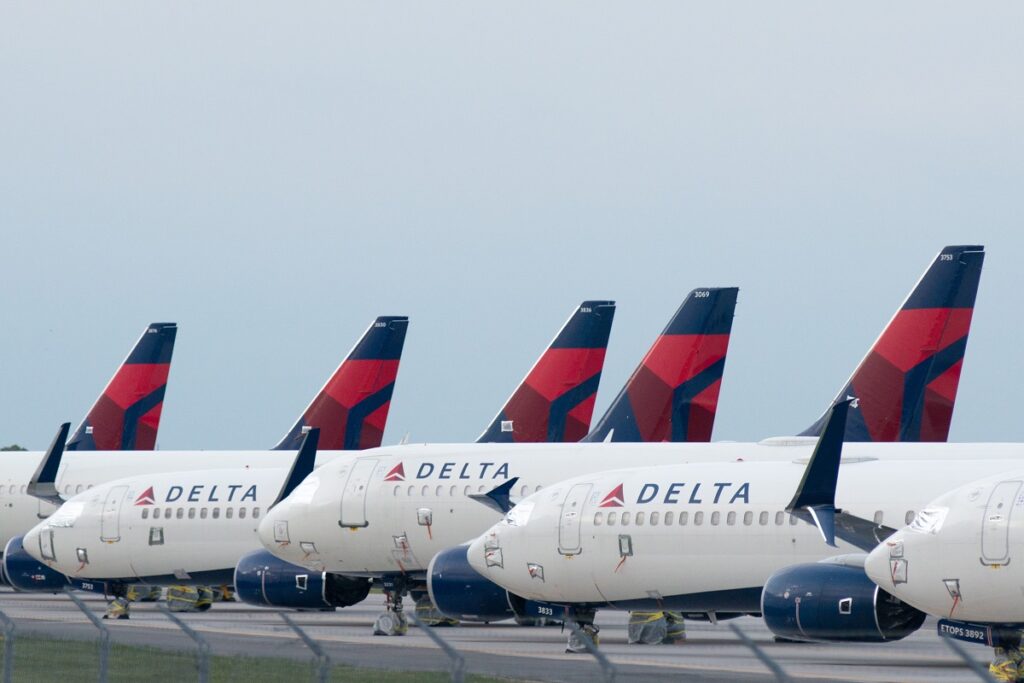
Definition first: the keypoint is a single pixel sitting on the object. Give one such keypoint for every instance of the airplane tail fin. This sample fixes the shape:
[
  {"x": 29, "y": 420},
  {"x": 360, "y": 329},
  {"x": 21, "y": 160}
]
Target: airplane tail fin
[
  {"x": 673, "y": 393},
  {"x": 555, "y": 402},
  {"x": 126, "y": 417},
  {"x": 907, "y": 383},
  {"x": 351, "y": 410}
]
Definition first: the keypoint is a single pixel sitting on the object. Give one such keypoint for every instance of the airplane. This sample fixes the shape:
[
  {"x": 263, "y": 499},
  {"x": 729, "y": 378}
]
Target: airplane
[
  {"x": 417, "y": 519},
  {"x": 126, "y": 416},
  {"x": 716, "y": 540},
  {"x": 351, "y": 410},
  {"x": 212, "y": 556},
  {"x": 954, "y": 561}
]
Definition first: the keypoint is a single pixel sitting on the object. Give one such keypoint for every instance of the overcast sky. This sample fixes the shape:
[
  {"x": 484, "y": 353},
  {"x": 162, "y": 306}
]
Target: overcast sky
[{"x": 271, "y": 176}]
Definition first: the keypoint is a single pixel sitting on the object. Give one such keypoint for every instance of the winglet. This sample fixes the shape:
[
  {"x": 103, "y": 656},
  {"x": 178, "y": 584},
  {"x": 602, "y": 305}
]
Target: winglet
[
  {"x": 43, "y": 484},
  {"x": 498, "y": 497},
  {"x": 305, "y": 459},
  {"x": 816, "y": 494}
]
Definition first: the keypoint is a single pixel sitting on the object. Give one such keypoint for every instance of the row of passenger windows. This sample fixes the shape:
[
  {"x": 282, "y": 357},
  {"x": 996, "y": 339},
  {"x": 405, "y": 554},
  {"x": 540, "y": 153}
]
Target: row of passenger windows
[
  {"x": 182, "y": 513},
  {"x": 453, "y": 490},
  {"x": 764, "y": 518}
]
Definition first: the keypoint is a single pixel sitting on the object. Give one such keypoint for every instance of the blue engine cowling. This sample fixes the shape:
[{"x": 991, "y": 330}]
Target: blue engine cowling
[
  {"x": 26, "y": 573},
  {"x": 458, "y": 591},
  {"x": 833, "y": 602},
  {"x": 265, "y": 580}
]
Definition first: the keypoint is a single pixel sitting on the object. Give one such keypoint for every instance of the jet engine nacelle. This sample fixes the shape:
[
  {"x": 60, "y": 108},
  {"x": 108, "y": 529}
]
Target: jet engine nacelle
[
  {"x": 263, "y": 579},
  {"x": 458, "y": 591},
  {"x": 834, "y": 602},
  {"x": 26, "y": 573}
]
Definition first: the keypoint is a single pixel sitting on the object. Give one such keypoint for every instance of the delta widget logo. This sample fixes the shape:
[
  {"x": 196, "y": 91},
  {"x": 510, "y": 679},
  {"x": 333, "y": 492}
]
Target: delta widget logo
[
  {"x": 615, "y": 499},
  {"x": 397, "y": 473},
  {"x": 146, "y": 498}
]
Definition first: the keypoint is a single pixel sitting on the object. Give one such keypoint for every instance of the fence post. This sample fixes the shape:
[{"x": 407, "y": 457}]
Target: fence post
[
  {"x": 202, "y": 647},
  {"x": 323, "y": 661},
  {"x": 607, "y": 668},
  {"x": 104, "y": 632},
  {"x": 773, "y": 666},
  {"x": 458, "y": 661},
  {"x": 8, "y": 647},
  {"x": 961, "y": 651}
]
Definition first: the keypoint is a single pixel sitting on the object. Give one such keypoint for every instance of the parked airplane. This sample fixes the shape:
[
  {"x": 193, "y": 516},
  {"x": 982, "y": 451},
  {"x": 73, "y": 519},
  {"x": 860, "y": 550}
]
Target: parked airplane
[
  {"x": 955, "y": 561},
  {"x": 126, "y": 416}
]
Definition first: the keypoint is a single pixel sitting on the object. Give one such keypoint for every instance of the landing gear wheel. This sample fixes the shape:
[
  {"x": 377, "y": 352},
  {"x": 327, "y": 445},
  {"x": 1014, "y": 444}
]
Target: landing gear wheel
[
  {"x": 585, "y": 621},
  {"x": 393, "y": 621}
]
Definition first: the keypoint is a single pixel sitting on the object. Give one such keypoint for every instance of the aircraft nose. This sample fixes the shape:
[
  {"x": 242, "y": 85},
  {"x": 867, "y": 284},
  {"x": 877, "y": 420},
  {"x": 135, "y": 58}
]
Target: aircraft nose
[
  {"x": 877, "y": 565},
  {"x": 30, "y": 542},
  {"x": 475, "y": 555},
  {"x": 275, "y": 532}
]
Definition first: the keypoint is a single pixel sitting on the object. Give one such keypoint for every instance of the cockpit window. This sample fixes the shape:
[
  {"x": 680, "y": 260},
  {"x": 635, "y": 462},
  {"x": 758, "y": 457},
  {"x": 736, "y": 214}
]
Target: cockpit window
[
  {"x": 67, "y": 514},
  {"x": 520, "y": 514},
  {"x": 929, "y": 520}
]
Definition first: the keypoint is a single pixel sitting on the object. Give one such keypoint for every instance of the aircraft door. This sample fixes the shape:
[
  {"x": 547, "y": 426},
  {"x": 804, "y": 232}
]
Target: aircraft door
[
  {"x": 569, "y": 542},
  {"x": 353, "y": 498},
  {"x": 995, "y": 528},
  {"x": 110, "y": 523}
]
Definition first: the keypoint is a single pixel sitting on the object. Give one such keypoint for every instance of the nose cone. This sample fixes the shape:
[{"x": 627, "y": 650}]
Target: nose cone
[
  {"x": 276, "y": 534},
  {"x": 475, "y": 555},
  {"x": 31, "y": 543}
]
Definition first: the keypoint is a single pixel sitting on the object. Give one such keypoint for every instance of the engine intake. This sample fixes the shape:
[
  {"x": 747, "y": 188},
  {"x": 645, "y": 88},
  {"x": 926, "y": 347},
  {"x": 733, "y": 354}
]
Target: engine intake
[
  {"x": 458, "y": 591},
  {"x": 26, "y": 573},
  {"x": 833, "y": 602},
  {"x": 265, "y": 580}
]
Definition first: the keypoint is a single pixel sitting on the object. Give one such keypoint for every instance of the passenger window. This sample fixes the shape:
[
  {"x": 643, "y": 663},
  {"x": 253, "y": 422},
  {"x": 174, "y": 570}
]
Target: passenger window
[
  {"x": 640, "y": 519},
  {"x": 792, "y": 520},
  {"x": 229, "y": 512},
  {"x": 778, "y": 518},
  {"x": 625, "y": 519},
  {"x": 748, "y": 518},
  {"x": 425, "y": 490},
  {"x": 522, "y": 491},
  {"x": 23, "y": 489},
  {"x": 412, "y": 491},
  {"x": 453, "y": 491},
  {"x": 730, "y": 518},
  {"x": 683, "y": 517},
  {"x": 909, "y": 517},
  {"x": 481, "y": 488},
  {"x": 145, "y": 513},
  {"x": 255, "y": 513},
  {"x": 397, "y": 489},
  {"x": 762, "y": 519},
  {"x": 241, "y": 513},
  {"x": 669, "y": 518},
  {"x": 156, "y": 513},
  {"x": 439, "y": 491},
  {"x": 611, "y": 519},
  {"x": 466, "y": 491},
  {"x": 216, "y": 513},
  {"x": 598, "y": 516},
  {"x": 537, "y": 488},
  {"x": 191, "y": 513},
  {"x": 181, "y": 513},
  {"x": 698, "y": 518},
  {"x": 654, "y": 519},
  {"x": 878, "y": 517},
  {"x": 716, "y": 516},
  {"x": 78, "y": 489},
  {"x": 202, "y": 513}
]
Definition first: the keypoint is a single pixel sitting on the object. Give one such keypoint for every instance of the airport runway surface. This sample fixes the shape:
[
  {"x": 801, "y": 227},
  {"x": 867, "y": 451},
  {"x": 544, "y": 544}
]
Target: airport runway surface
[{"x": 711, "y": 652}]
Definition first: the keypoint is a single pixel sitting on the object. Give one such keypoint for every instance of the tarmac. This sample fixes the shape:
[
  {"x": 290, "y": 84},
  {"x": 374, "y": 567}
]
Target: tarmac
[{"x": 712, "y": 652}]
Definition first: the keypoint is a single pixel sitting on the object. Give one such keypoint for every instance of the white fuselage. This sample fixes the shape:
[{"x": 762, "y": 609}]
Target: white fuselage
[
  {"x": 963, "y": 557},
  {"x": 659, "y": 539},
  {"x": 384, "y": 513}
]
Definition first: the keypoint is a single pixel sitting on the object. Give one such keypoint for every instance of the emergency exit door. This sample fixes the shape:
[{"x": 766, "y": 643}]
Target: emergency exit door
[
  {"x": 995, "y": 528},
  {"x": 110, "y": 521},
  {"x": 353, "y": 498},
  {"x": 569, "y": 542}
]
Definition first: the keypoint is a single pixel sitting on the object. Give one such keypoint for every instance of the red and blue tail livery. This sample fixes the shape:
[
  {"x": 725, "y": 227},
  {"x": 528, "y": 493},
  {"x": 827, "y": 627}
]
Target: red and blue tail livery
[
  {"x": 351, "y": 410},
  {"x": 555, "y": 402},
  {"x": 126, "y": 417},
  {"x": 673, "y": 393},
  {"x": 906, "y": 386}
]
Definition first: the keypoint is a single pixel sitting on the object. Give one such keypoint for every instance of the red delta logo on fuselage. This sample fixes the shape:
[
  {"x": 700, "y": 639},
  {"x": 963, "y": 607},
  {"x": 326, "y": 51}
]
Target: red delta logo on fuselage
[
  {"x": 725, "y": 492},
  {"x": 397, "y": 473},
  {"x": 466, "y": 470},
  {"x": 201, "y": 493}
]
